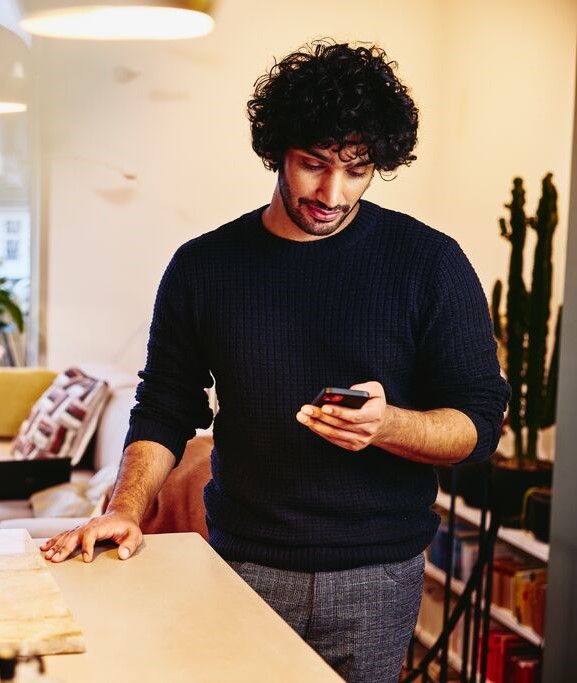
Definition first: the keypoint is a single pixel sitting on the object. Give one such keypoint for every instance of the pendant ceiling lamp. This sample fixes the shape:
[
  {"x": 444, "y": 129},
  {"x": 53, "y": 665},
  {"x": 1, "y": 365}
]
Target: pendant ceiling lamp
[
  {"x": 117, "y": 19},
  {"x": 13, "y": 95}
]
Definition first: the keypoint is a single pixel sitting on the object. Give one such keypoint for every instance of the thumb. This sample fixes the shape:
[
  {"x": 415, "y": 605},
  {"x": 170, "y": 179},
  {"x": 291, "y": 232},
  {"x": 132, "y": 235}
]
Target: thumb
[
  {"x": 128, "y": 543},
  {"x": 374, "y": 388}
]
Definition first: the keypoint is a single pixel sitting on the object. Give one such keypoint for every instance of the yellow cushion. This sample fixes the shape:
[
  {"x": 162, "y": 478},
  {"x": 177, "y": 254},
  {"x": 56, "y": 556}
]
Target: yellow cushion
[{"x": 20, "y": 388}]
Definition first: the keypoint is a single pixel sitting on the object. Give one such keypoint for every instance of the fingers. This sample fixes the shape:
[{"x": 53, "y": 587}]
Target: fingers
[
  {"x": 59, "y": 547},
  {"x": 117, "y": 528},
  {"x": 49, "y": 543},
  {"x": 351, "y": 441},
  {"x": 89, "y": 538},
  {"x": 127, "y": 537},
  {"x": 340, "y": 432},
  {"x": 346, "y": 418}
]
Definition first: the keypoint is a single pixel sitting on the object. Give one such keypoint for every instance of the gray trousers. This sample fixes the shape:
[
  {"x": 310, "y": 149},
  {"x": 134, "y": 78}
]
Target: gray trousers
[{"x": 360, "y": 621}]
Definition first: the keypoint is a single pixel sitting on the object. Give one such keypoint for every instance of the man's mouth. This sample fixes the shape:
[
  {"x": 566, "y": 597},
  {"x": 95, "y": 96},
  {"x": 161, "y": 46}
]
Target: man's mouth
[{"x": 321, "y": 214}]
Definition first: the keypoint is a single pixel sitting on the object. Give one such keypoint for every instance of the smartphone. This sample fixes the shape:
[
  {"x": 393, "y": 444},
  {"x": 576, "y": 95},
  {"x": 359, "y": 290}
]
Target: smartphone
[{"x": 348, "y": 398}]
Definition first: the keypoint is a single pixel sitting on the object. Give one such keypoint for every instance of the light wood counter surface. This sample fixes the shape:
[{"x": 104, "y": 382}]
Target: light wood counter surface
[{"x": 176, "y": 612}]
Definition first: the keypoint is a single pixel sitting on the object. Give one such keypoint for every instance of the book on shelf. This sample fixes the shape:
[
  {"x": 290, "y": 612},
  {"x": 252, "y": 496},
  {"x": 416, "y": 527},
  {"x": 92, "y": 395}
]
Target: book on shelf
[
  {"x": 530, "y": 593},
  {"x": 466, "y": 539},
  {"x": 526, "y": 669},
  {"x": 469, "y": 556},
  {"x": 511, "y": 657},
  {"x": 519, "y": 580},
  {"x": 505, "y": 568},
  {"x": 520, "y": 586}
]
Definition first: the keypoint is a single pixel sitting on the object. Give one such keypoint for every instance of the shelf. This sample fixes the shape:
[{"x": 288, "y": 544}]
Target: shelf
[
  {"x": 500, "y": 614},
  {"x": 524, "y": 540},
  {"x": 428, "y": 640},
  {"x": 439, "y": 576}
]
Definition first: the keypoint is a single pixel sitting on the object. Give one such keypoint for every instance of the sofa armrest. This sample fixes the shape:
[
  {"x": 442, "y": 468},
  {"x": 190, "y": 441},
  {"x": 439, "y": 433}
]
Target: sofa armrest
[{"x": 43, "y": 527}]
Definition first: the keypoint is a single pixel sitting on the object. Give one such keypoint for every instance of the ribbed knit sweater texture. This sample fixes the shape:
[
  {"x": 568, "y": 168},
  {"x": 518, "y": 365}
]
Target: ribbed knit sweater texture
[{"x": 273, "y": 321}]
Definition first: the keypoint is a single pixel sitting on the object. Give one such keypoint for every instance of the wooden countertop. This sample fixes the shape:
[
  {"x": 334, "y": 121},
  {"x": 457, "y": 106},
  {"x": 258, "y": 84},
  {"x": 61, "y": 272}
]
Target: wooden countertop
[{"x": 176, "y": 612}]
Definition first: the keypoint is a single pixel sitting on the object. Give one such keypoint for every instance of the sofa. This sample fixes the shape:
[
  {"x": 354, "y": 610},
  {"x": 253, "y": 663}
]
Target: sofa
[{"x": 178, "y": 506}]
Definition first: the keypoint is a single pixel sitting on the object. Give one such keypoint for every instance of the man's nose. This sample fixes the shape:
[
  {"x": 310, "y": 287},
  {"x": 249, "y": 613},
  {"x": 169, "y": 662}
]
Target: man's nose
[{"x": 330, "y": 190}]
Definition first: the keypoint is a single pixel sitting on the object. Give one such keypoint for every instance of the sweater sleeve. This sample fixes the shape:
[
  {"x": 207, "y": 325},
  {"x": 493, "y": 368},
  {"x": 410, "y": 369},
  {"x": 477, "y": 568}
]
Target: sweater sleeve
[
  {"x": 171, "y": 401},
  {"x": 458, "y": 366}
]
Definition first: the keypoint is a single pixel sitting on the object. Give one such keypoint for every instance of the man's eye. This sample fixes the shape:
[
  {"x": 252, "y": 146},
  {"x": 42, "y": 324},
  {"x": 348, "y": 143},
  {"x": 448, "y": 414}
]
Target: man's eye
[
  {"x": 358, "y": 174},
  {"x": 312, "y": 167}
]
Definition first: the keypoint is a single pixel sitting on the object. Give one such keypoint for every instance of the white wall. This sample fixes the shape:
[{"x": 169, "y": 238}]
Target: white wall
[
  {"x": 147, "y": 144},
  {"x": 510, "y": 95}
]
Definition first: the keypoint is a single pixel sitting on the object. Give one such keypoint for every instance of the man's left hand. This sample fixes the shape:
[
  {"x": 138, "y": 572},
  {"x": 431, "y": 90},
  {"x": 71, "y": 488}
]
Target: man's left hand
[{"x": 349, "y": 428}]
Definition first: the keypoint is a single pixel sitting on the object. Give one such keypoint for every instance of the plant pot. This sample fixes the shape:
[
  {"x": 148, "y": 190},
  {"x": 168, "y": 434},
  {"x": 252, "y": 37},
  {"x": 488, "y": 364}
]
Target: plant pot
[
  {"x": 510, "y": 481},
  {"x": 538, "y": 513}
]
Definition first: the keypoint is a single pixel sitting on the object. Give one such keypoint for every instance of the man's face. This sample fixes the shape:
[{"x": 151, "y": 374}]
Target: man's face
[{"x": 320, "y": 188}]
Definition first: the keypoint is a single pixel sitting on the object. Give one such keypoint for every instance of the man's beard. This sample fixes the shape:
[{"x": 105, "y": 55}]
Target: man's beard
[{"x": 304, "y": 221}]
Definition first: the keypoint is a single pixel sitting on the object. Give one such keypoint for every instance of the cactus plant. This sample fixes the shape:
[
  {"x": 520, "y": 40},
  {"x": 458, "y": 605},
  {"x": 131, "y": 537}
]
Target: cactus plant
[{"x": 532, "y": 405}]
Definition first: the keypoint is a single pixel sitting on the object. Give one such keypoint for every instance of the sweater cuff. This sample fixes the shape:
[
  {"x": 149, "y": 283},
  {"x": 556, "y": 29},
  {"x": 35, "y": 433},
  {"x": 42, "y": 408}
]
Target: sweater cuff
[
  {"x": 150, "y": 430},
  {"x": 487, "y": 438}
]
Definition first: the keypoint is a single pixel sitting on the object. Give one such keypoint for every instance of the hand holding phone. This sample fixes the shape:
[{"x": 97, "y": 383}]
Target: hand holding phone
[
  {"x": 347, "y": 398},
  {"x": 352, "y": 430}
]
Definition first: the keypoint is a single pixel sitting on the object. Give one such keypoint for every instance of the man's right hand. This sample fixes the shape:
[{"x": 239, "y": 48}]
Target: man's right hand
[
  {"x": 143, "y": 469},
  {"x": 112, "y": 526}
]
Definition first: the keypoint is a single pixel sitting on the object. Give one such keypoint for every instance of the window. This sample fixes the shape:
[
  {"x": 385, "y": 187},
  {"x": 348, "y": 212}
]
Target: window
[
  {"x": 16, "y": 230},
  {"x": 12, "y": 250},
  {"x": 13, "y": 227}
]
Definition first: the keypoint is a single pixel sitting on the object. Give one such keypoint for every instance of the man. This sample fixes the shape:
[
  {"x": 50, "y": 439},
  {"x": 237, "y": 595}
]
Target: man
[{"x": 325, "y": 515}]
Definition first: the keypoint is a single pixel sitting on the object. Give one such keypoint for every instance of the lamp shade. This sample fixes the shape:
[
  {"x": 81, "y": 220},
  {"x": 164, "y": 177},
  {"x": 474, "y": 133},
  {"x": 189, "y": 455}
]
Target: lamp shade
[
  {"x": 117, "y": 19},
  {"x": 13, "y": 84}
]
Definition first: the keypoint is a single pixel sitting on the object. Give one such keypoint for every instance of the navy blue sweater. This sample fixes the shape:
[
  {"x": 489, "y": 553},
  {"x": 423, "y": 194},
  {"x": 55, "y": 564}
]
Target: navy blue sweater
[{"x": 387, "y": 299}]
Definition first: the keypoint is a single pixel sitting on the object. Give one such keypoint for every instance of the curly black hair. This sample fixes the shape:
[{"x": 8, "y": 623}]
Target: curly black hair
[{"x": 326, "y": 93}]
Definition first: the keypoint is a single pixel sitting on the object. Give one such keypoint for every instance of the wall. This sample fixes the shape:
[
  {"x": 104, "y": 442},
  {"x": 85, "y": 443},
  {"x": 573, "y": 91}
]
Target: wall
[
  {"x": 509, "y": 94},
  {"x": 146, "y": 145}
]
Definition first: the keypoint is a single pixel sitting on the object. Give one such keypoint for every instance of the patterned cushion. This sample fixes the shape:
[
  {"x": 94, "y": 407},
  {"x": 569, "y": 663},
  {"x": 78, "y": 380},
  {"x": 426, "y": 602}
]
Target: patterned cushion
[{"x": 63, "y": 419}]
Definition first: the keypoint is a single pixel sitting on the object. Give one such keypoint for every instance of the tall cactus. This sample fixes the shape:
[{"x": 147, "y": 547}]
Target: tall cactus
[
  {"x": 544, "y": 223},
  {"x": 516, "y": 310},
  {"x": 532, "y": 404},
  {"x": 495, "y": 307}
]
